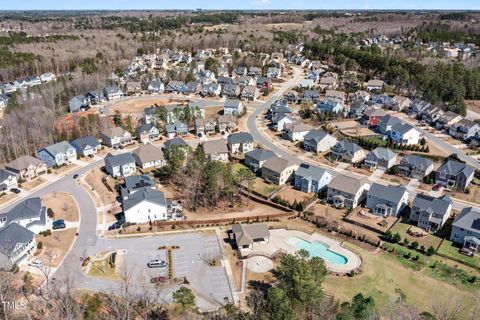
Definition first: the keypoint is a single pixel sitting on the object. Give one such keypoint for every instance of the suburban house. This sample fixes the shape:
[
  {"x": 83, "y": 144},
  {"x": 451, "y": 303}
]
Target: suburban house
[
  {"x": 255, "y": 71},
  {"x": 8, "y": 180},
  {"x": 278, "y": 170},
  {"x": 226, "y": 123},
  {"x": 149, "y": 156},
  {"x": 115, "y": 137},
  {"x": 205, "y": 126},
  {"x": 329, "y": 106},
  {"x": 86, "y": 146},
  {"x": 122, "y": 165},
  {"x": 240, "y": 71},
  {"x": 179, "y": 128},
  {"x": 464, "y": 129},
  {"x": 311, "y": 95},
  {"x": 215, "y": 150},
  {"x": 273, "y": 72},
  {"x": 197, "y": 109},
  {"x": 250, "y": 93},
  {"x": 347, "y": 191},
  {"x": 231, "y": 90},
  {"x": 78, "y": 103},
  {"x": 430, "y": 114},
  {"x": 27, "y": 167},
  {"x": 151, "y": 114},
  {"x": 17, "y": 243},
  {"x": 310, "y": 178},
  {"x": 405, "y": 134},
  {"x": 295, "y": 131},
  {"x": 58, "y": 154},
  {"x": 415, "y": 167},
  {"x": 240, "y": 142},
  {"x": 386, "y": 123},
  {"x": 380, "y": 158},
  {"x": 328, "y": 83},
  {"x": 318, "y": 141},
  {"x": 416, "y": 106},
  {"x": 233, "y": 107},
  {"x": 375, "y": 85},
  {"x": 335, "y": 95},
  {"x": 347, "y": 151},
  {"x": 47, "y": 77},
  {"x": 357, "y": 108},
  {"x": 147, "y": 132},
  {"x": 246, "y": 236},
  {"x": 454, "y": 174},
  {"x": 174, "y": 86},
  {"x": 134, "y": 183},
  {"x": 134, "y": 87},
  {"x": 256, "y": 158},
  {"x": 246, "y": 81},
  {"x": 192, "y": 87},
  {"x": 281, "y": 120},
  {"x": 112, "y": 92},
  {"x": 466, "y": 229},
  {"x": 145, "y": 205},
  {"x": 387, "y": 201},
  {"x": 446, "y": 120},
  {"x": 29, "y": 213},
  {"x": 211, "y": 89},
  {"x": 430, "y": 213},
  {"x": 155, "y": 86},
  {"x": 400, "y": 103},
  {"x": 371, "y": 116},
  {"x": 175, "y": 142},
  {"x": 95, "y": 96}
]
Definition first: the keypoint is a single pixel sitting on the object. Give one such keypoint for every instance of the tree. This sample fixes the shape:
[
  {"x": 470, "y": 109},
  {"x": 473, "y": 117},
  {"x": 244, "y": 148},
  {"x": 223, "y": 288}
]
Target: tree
[
  {"x": 431, "y": 251},
  {"x": 175, "y": 157},
  {"x": 388, "y": 236},
  {"x": 279, "y": 306},
  {"x": 360, "y": 308},
  {"x": 414, "y": 245},
  {"x": 184, "y": 298},
  {"x": 423, "y": 141},
  {"x": 397, "y": 238}
]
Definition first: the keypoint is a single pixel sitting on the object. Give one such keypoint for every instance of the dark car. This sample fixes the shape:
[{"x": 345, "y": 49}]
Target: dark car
[
  {"x": 75, "y": 176},
  {"x": 158, "y": 280},
  {"x": 437, "y": 187},
  {"x": 58, "y": 224},
  {"x": 15, "y": 190},
  {"x": 116, "y": 225}
]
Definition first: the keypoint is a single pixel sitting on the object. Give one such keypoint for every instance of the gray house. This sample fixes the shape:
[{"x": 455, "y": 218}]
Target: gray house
[
  {"x": 256, "y": 158},
  {"x": 27, "y": 167},
  {"x": 233, "y": 107},
  {"x": 240, "y": 142},
  {"x": 464, "y": 129},
  {"x": 318, "y": 141},
  {"x": 430, "y": 213},
  {"x": 380, "y": 158},
  {"x": 387, "y": 201},
  {"x": 147, "y": 132},
  {"x": 466, "y": 229},
  {"x": 386, "y": 123},
  {"x": 16, "y": 244},
  {"x": 78, "y": 103},
  {"x": 58, "y": 154},
  {"x": 454, "y": 174},
  {"x": 415, "y": 167},
  {"x": 86, "y": 146},
  {"x": 122, "y": 165},
  {"x": 278, "y": 170},
  {"x": 347, "y": 191},
  {"x": 310, "y": 178},
  {"x": 348, "y": 151}
]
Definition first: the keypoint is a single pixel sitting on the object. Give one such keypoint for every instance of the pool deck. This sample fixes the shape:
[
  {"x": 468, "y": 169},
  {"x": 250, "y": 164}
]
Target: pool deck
[{"x": 279, "y": 241}]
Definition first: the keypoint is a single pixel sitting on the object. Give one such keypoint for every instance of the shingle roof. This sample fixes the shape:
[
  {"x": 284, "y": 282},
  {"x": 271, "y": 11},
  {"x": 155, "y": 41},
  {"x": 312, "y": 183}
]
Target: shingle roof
[
  {"x": 348, "y": 146},
  {"x": 298, "y": 127},
  {"x": 145, "y": 194},
  {"x": 259, "y": 154},
  {"x": 435, "y": 205},
  {"x": 12, "y": 235},
  {"x": 215, "y": 146},
  {"x": 28, "y": 209},
  {"x": 383, "y": 153},
  {"x": 348, "y": 184},
  {"x": 85, "y": 141},
  {"x": 311, "y": 172},
  {"x": 402, "y": 128},
  {"x": 23, "y": 162},
  {"x": 148, "y": 152},
  {"x": 146, "y": 127},
  {"x": 113, "y": 132},
  {"x": 389, "y": 193},
  {"x": 174, "y": 142},
  {"x": 58, "y": 148},
  {"x": 454, "y": 167},
  {"x": 316, "y": 135},
  {"x": 469, "y": 219},
  {"x": 240, "y": 137},
  {"x": 245, "y": 234},
  {"x": 232, "y": 104},
  {"x": 120, "y": 159},
  {"x": 277, "y": 164},
  {"x": 4, "y": 175},
  {"x": 416, "y": 161}
]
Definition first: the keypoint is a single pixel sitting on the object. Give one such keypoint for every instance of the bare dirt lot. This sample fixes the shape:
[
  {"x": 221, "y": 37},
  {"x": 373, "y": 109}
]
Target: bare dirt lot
[
  {"x": 55, "y": 246},
  {"x": 291, "y": 194},
  {"x": 64, "y": 169},
  {"x": 213, "y": 112},
  {"x": 93, "y": 181},
  {"x": 63, "y": 206},
  {"x": 7, "y": 197},
  {"x": 135, "y": 105},
  {"x": 473, "y": 105},
  {"x": 29, "y": 185}
]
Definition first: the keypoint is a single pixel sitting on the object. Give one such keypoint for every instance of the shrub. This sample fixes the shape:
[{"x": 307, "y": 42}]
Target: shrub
[
  {"x": 174, "y": 227},
  {"x": 414, "y": 245},
  {"x": 388, "y": 236},
  {"x": 40, "y": 245},
  {"x": 406, "y": 242},
  {"x": 431, "y": 251},
  {"x": 46, "y": 232},
  {"x": 50, "y": 212},
  {"x": 396, "y": 238},
  {"x": 422, "y": 248},
  {"x": 416, "y": 258},
  {"x": 407, "y": 255}
]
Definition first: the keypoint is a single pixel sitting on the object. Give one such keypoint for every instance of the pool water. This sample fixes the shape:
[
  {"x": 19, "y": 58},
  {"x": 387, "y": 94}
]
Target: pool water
[{"x": 318, "y": 249}]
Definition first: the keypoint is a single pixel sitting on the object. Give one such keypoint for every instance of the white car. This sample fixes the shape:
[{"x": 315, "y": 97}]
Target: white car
[{"x": 36, "y": 263}]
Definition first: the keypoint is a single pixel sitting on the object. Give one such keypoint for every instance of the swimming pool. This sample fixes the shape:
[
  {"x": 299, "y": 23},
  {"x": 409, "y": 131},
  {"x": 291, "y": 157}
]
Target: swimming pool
[{"x": 318, "y": 249}]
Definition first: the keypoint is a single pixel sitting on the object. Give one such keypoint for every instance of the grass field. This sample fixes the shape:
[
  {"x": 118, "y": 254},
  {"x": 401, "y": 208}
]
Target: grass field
[
  {"x": 383, "y": 278},
  {"x": 448, "y": 249},
  {"x": 427, "y": 241}
]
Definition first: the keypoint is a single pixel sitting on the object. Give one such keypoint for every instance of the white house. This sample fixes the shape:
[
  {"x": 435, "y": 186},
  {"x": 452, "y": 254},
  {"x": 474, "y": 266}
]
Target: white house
[
  {"x": 405, "y": 134},
  {"x": 115, "y": 137},
  {"x": 7, "y": 180},
  {"x": 16, "y": 244},
  {"x": 234, "y": 107},
  {"x": 47, "y": 77},
  {"x": 240, "y": 142},
  {"x": 216, "y": 150},
  {"x": 122, "y": 165},
  {"x": 295, "y": 131},
  {"x": 86, "y": 146},
  {"x": 145, "y": 205},
  {"x": 318, "y": 141},
  {"x": 58, "y": 154},
  {"x": 30, "y": 214},
  {"x": 149, "y": 156}
]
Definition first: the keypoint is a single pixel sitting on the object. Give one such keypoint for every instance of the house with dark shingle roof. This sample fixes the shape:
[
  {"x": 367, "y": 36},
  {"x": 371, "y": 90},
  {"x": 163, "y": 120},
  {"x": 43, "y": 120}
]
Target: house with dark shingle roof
[
  {"x": 215, "y": 150},
  {"x": 387, "y": 201},
  {"x": 175, "y": 142},
  {"x": 318, "y": 141},
  {"x": 240, "y": 142},
  {"x": 347, "y": 191},
  {"x": 179, "y": 128},
  {"x": 121, "y": 165},
  {"x": 147, "y": 132},
  {"x": 380, "y": 158},
  {"x": 385, "y": 124},
  {"x": 86, "y": 145},
  {"x": 78, "y": 103},
  {"x": 278, "y": 170},
  {"x": 295, "y": 131},
  {"x": 134, "y": 183},
  {"x": 256, "y": 158},
  {"x": 466, "y": 229},
  {"x": 58, "y": 154},
  {"x": 27, "y": 167},
  {"x": 205, "y": 126},
  {"x": 405, "y": 134},
  {"x": 430, "y": 213},
  {"x": 347, "y": 151},
  {"x": 464, "y": 129},
  {"x": 226, "y": 123},
  {"x": 233, "y": 107},
  {"x": 454, "y": 174},
  {"x": 16, "y": 244},
  {"x": 415, "y": 167},
  {"x": 8, "y": 180},
  {"x": 145, "y": 205},
  {"x": 247, "y": 235},
  {"x": 310, "y": 178},
  {"x": 29, "y": 213}
]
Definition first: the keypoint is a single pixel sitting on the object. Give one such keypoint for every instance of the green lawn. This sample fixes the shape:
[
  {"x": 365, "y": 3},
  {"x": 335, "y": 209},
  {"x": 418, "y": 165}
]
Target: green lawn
[
  {"x": 263, "y": 187},
  {"x": 378, "y": 141},
  {"x": 384, "y": 277},
  {"x": 427, "y": 241},
  {"x": 448, "y": 249},
  {"x": 238, "y": 166}
]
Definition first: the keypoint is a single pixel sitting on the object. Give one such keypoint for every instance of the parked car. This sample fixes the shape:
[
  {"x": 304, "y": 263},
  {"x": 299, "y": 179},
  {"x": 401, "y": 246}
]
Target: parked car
[
  {"x": 91, "y": 156},
  {"x": 36, "y": 263},
  {"x": 156, "y": 263},
  {"x": 116, "y": 225},
  {"x": 58, "y": 224},
  {"x": 16, "y": 190},
  {"x": 437, "y": 187},
  {"x": 158, "y": 280},
  {"x": 75, "y": 176}
]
